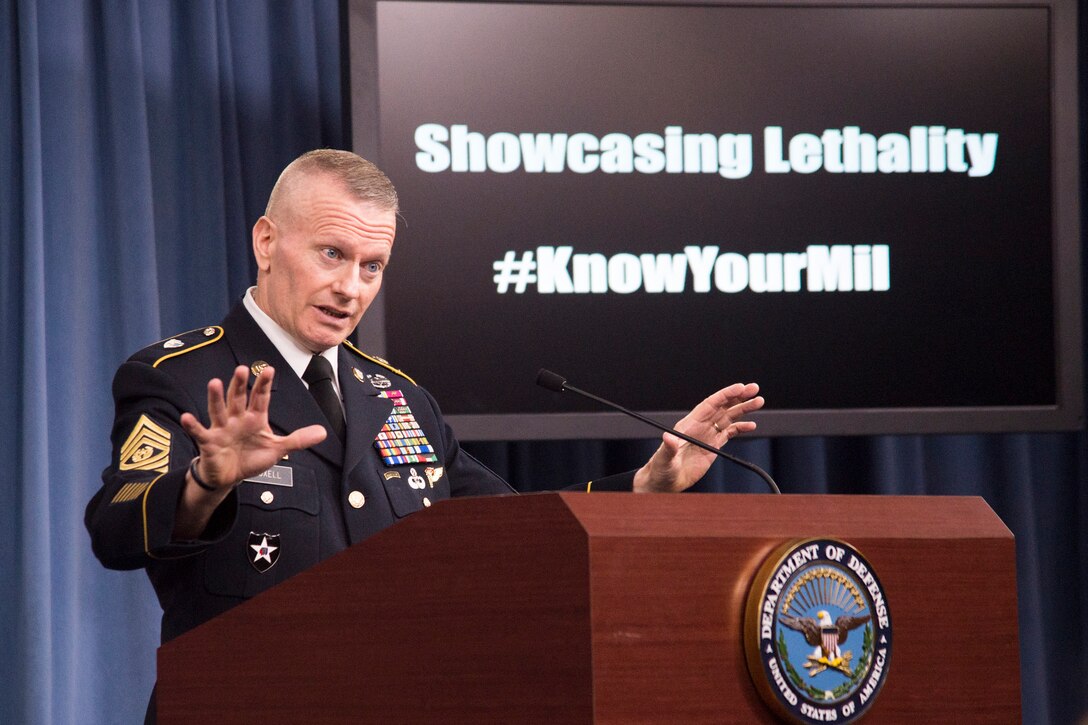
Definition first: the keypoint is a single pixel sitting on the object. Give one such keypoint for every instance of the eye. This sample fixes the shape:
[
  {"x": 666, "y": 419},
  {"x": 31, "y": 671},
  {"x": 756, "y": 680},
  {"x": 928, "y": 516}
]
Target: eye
[
  {"x": 373, "y": 267},
  {"x": 330, "y": 253}
]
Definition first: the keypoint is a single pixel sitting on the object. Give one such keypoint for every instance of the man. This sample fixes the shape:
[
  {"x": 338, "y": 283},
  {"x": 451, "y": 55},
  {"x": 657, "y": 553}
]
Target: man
[{"x": 313, "y": 445}]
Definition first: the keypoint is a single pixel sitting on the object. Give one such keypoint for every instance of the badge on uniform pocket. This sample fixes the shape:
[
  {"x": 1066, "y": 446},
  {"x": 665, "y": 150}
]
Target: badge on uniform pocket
[
  {"x": 275, "y": 476},
  {"x": 264, "y": 550}
]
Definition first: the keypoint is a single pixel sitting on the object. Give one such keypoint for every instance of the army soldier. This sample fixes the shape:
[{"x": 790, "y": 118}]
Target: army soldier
[{"x": 220, "y": 491}]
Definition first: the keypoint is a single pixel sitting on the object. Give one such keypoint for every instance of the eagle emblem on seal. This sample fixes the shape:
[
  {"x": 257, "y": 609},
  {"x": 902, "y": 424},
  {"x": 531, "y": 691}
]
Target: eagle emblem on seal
[{"x": 826, "y": 636}]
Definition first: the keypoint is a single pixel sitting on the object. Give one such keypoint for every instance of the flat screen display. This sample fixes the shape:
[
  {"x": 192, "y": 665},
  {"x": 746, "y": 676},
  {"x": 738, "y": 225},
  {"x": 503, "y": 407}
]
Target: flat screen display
[{"x": 865, "y": 209}]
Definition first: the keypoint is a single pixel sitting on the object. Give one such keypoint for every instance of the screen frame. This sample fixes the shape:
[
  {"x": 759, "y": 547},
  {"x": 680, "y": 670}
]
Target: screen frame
[{"x": 361, "y": 73}]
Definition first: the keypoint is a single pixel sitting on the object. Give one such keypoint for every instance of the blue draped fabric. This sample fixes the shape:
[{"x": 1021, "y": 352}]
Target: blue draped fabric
[{"x": 138, "y": 143}]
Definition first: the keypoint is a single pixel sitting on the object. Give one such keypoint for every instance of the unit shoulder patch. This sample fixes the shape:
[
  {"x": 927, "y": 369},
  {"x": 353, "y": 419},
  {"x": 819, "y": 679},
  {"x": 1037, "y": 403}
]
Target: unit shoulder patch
[
  {"x": 378, "y": 361},
  {"x": 147, "y": 447}
]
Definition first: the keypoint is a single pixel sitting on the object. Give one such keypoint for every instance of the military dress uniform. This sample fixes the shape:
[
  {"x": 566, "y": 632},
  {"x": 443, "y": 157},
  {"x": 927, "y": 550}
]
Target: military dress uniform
[{"x": 397, "y": 458}]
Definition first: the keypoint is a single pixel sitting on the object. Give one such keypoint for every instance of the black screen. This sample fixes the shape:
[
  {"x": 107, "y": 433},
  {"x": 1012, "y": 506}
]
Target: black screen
[{"x": 853, "y": 207}]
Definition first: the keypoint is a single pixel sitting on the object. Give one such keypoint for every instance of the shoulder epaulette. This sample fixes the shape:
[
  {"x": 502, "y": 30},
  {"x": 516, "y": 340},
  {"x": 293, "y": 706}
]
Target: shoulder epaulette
[
  {"x": 179, "y": 345},
  {"x": 379, "y": 361}
]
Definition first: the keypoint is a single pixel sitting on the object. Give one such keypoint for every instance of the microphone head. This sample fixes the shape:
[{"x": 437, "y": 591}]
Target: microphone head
[{"x": 551, "y": 381}]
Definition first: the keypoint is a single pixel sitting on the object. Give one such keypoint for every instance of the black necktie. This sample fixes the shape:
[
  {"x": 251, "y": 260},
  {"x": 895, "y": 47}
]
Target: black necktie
[{"x": 319, "y": 377}]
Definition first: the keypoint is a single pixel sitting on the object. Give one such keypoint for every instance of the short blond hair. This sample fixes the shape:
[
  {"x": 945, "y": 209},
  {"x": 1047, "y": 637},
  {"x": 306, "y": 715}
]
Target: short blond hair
[{"x": 363, "y": 180}]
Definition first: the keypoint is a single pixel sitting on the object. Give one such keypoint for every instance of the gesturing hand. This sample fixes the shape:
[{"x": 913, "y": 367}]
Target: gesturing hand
[
  {"x": 239, "y": 442},
  {"x": 677, "y": 464}
]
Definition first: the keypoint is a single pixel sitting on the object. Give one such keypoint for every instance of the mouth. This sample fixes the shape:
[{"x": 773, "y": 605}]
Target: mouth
[{"x": 333, "y": 312}]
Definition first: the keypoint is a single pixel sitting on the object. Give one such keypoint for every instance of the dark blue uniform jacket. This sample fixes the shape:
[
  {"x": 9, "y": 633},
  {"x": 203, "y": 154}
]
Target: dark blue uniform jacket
[{"x": 339, "y": 493}]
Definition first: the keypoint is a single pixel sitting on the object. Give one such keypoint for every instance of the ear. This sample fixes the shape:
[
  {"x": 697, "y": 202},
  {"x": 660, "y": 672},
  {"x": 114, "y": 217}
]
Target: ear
[{"x": 264, "y": 236}]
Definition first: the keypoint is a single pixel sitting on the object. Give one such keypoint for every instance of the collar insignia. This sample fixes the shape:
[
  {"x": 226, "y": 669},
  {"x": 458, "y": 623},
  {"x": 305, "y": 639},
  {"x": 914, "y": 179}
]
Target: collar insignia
[{"x": 379, "y": 381}]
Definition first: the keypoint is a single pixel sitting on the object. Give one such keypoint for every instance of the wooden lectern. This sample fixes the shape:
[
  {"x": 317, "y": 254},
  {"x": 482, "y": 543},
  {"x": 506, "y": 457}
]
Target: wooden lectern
[{"x": 610, "y": 608}]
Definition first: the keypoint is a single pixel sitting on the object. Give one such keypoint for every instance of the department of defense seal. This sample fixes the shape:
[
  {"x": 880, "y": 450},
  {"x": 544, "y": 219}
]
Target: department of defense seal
[{"x": 817, "y": 632}]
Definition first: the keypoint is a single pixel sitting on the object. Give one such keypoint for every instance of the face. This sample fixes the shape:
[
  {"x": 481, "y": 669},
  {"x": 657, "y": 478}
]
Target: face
[{"x": 320, "y": 262}]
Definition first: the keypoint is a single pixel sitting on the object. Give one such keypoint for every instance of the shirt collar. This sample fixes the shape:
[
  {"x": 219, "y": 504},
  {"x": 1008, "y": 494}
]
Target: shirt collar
[{"x": 297, "y": 356}]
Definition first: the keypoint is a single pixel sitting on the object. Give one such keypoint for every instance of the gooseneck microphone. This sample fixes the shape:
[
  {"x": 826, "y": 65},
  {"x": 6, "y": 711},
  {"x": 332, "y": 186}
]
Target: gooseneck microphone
[{"x": 557, "y": 383}]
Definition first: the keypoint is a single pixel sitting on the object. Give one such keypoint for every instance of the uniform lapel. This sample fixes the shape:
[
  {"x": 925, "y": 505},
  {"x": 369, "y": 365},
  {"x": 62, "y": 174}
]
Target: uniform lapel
[
  {"x": 365, "y": 410},
  {"x": 292, "y": 406}
]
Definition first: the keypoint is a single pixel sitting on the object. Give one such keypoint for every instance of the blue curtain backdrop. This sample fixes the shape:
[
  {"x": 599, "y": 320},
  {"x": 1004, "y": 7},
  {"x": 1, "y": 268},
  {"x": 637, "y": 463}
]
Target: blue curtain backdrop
[{"x": 138, "y": 142}]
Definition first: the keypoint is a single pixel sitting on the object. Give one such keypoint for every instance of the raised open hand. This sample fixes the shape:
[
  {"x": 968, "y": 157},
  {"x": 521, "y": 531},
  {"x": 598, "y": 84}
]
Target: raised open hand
[
  {"x": 677, "y": 464},
  {"x": 239, "y": 443}
]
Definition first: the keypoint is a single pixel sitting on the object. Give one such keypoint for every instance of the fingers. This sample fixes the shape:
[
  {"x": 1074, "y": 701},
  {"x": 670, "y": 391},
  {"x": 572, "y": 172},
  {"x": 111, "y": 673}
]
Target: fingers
[
  {"x": 261, "y": 394},
  {"x": 739, "y": 428},
  {"x": 311, "y": 435},
  {"x": 672, "y": 442},
  {"x": 217, "y": 408},
  {"x": 731, "y": 424},
  {"x": 743, "y": 408},
  {"x": 236, "y": 393},
  {"x": 236, "y": 402},
  {"x": 193, "y": 427},
  {"x": 734, "y": 394},
  {"x": 721, "y": 414},
  {"x": 734, "y": 401}
]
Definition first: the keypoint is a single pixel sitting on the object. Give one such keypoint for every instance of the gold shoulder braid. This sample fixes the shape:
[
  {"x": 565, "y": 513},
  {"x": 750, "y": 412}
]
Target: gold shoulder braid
[
  {"x": 379, "y": 361},
  {"x": 189, "y": 341}
]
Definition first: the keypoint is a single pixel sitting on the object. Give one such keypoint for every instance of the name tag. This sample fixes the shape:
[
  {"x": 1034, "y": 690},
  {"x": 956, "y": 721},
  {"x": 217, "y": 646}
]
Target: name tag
[{"x": 275, "y": 476}]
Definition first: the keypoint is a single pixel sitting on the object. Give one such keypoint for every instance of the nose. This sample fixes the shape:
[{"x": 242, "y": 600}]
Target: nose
[{"x": 348, "y": 281}]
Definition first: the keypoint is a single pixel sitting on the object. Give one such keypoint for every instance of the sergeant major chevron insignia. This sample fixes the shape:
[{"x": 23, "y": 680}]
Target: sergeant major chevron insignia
[{"x": 147, "y": 447}]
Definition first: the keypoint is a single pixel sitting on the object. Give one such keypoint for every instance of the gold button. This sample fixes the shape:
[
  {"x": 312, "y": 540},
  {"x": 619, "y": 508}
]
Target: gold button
[
  {"x": 426, "y": 501},
  {"x": 356, "y": 499},
  {"x": 267, "y": 497}
]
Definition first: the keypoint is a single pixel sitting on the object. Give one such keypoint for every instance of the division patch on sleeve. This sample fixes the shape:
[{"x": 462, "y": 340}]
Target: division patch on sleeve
[{"x": 147, "y": 447}]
